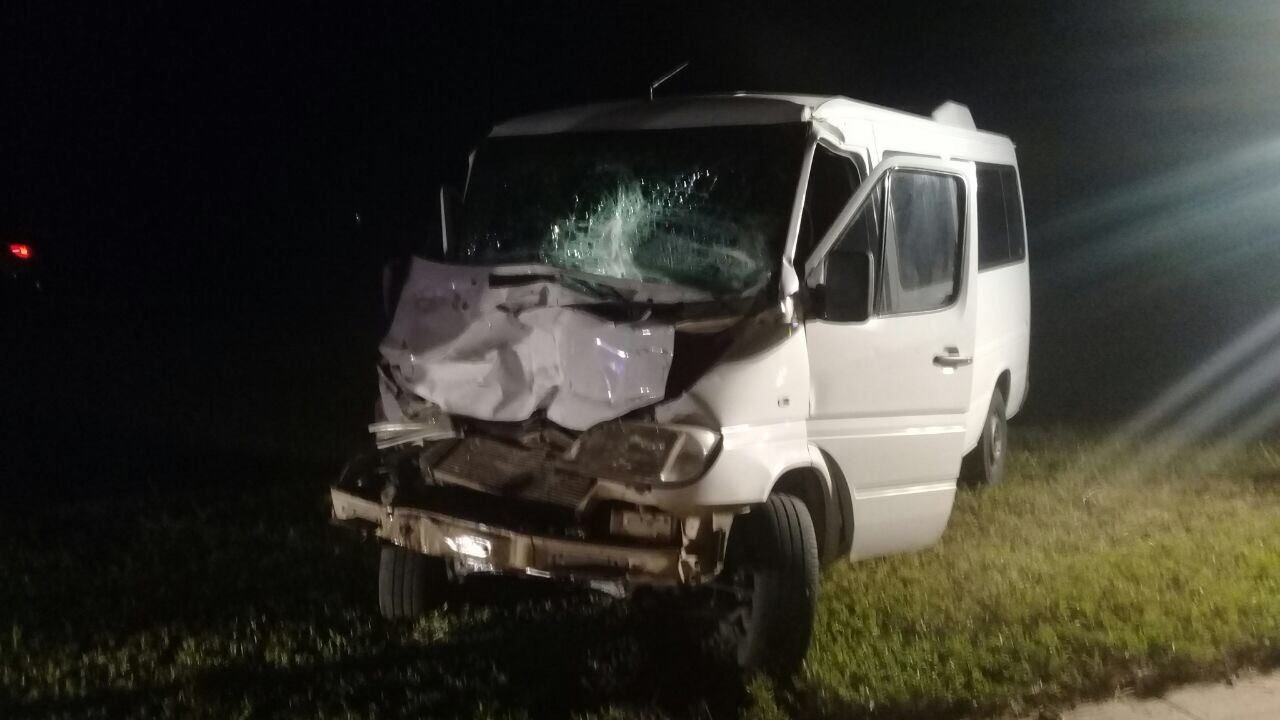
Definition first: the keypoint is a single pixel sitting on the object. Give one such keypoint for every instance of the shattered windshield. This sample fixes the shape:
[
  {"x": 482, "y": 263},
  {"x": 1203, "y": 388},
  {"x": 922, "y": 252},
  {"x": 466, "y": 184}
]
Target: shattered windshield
[{"x": 705, "y": 208}]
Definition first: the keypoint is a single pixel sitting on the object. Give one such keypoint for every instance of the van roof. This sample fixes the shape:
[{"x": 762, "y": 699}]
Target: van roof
[{"x": 740, "y": 108}]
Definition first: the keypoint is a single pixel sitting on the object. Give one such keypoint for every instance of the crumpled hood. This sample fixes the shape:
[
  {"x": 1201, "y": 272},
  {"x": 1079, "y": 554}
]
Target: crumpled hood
[{"x": 501, "y": 348}]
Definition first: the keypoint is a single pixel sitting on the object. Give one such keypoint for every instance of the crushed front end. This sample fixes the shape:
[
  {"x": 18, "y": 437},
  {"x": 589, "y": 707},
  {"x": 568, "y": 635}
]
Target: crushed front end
[
  {"x": 603, "y": 376},
  {"x": 594, "y": 277},
  {"x": 536, "y": 499}
]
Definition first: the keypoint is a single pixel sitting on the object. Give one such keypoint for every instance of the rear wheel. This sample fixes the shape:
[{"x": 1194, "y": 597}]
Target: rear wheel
[
  {"x": 984, "y": 465},
  {"x": 409, "y": 583},
  {"x": 772, "y": 570}
]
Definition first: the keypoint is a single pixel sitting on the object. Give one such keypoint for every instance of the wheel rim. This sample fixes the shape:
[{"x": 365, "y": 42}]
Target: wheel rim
[{"x": 995, "y": 449}]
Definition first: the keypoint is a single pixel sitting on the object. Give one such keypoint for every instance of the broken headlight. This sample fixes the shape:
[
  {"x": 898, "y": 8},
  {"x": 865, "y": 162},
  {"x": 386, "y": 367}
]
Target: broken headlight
[{"x": 639, "y": 452}]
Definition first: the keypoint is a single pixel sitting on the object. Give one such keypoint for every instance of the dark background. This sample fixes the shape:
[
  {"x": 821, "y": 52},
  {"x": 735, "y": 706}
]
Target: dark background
[{"x": 190, "y": 176}]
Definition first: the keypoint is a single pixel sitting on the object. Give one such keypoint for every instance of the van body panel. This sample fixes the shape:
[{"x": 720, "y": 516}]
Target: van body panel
[
  {"x": 767, "y": 387},
  {"x": 760, "y": 403},
  {"x": 1003, "y": 297},
  {"x": 751, "y": 460},
  {"x": 898, "y": 521}
]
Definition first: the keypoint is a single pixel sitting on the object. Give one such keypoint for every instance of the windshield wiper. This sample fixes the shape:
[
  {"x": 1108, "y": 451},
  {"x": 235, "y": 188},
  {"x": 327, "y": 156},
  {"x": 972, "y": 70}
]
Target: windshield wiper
[
  {"x": 497, "y": 281},
  {"x": 604, "y": 291}
]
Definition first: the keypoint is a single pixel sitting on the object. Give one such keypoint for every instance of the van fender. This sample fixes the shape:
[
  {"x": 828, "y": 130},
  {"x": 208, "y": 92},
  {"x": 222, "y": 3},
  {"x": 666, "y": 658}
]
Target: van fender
[
  {"x": 750, "y": 462},
  {"x": 755, "y": 462},
  {"x": 812, "y": 485},
  {"x": 837, "y": 505}
]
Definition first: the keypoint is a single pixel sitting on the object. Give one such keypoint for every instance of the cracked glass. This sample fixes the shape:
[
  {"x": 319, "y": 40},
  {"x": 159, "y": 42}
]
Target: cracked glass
[{"x": 705, "y": 208}]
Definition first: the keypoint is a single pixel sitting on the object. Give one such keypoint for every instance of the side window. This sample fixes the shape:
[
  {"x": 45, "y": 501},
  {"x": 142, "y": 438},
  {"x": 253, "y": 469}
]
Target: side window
[
  {"x": 923, "y": 224},
  {"x": 1001, "y": 230},
  {"x": 993, "y": 224},
  {"x": 833, "y": 178},
  {"x": 1013, "y": 211}
]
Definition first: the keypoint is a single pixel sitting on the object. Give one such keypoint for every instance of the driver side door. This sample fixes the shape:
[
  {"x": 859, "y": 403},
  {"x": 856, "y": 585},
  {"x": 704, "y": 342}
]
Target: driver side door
[{"x": 890, "y": 332}]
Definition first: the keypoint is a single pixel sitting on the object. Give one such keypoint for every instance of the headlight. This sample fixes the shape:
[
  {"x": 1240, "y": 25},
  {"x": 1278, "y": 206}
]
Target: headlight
[{"x": 644, "y": 452}]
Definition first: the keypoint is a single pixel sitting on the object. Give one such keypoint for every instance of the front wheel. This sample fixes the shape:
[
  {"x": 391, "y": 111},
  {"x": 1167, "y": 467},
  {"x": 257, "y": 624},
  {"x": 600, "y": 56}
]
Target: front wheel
[
  {"x": 984, "y": 465},
  {"x": 409, "y": 583},
  {"x": 772, "y": 570}
]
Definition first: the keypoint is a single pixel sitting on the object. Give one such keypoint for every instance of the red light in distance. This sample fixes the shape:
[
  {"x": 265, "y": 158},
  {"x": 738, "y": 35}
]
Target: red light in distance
[{"x": 22, "y": 252}]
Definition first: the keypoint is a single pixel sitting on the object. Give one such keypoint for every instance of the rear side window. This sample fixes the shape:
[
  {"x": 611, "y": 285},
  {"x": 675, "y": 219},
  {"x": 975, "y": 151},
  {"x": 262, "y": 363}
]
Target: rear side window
[{"x": 1002, "y": 236}]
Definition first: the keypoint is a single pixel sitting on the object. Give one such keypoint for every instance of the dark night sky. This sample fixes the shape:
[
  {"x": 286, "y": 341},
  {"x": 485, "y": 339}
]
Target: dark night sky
[{"x": 192, "y": 172}]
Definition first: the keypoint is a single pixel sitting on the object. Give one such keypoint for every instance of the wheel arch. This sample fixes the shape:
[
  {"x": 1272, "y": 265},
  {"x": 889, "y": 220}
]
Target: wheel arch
[
  {"x": 981, "y": 403},
  {"x": 1003, "y": 382},
  {"x": 822, "y": 488}
]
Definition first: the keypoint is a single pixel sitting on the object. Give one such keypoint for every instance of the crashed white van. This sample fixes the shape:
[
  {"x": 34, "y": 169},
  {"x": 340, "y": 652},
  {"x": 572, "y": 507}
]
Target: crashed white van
[{"x": 702, "y": 344}]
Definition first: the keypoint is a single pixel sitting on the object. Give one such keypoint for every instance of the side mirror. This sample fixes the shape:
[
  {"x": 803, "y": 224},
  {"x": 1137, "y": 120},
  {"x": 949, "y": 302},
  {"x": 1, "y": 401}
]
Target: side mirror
[
  {"x": 844, "y": 288},
  {"x": 450, "y": 204}
]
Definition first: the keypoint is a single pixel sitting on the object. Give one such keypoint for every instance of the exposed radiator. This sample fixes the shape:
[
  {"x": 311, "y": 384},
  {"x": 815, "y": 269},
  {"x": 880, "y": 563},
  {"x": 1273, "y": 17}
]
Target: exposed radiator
[{"x": 500, "y": 468}]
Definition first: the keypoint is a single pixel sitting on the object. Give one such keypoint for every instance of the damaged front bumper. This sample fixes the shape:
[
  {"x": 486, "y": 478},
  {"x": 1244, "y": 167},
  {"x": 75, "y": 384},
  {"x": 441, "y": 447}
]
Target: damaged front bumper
[
  {"x": 477, "y": 547},
  {"x": 616, "y": 565}
]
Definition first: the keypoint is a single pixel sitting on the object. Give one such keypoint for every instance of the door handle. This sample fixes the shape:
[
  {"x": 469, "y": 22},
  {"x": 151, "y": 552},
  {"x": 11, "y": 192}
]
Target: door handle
[{"x": 953, "y": 359}]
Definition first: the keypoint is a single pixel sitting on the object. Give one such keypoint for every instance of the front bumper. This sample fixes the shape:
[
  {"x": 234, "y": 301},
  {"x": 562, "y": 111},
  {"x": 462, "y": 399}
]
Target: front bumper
[{"x": 477, "y": 547}]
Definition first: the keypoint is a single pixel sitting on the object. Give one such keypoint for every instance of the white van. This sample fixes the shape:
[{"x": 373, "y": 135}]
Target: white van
[{"x": 701, "y": 344}]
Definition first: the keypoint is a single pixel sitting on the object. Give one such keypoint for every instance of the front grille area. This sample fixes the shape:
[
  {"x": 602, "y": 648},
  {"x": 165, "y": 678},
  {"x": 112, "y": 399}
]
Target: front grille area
[
  {"x": 500, "y": 468},
  {"x": 517, "y": 514}
]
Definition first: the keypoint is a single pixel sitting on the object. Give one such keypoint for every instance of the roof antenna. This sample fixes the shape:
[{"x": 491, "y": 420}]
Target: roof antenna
[{"x": 654, "y": 85}]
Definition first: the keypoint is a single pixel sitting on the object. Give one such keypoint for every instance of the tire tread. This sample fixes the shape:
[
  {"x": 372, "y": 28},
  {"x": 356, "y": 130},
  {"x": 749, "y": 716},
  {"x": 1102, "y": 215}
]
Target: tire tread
[
  {"x": 409, "y": 584},
  {"x": 783, "y": 619}
]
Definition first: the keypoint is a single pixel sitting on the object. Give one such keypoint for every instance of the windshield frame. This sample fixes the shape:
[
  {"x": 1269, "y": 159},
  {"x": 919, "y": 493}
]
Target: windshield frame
[{"x": 781, "y": 272}]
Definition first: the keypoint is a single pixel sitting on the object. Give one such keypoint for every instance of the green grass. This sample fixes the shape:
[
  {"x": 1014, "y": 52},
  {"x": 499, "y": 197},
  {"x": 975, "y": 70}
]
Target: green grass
[{"x": 1090, "y": 570}]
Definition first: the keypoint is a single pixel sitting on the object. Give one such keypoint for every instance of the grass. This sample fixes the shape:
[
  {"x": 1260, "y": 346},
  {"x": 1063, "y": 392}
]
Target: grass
[{"x": 1092, "y": 570}]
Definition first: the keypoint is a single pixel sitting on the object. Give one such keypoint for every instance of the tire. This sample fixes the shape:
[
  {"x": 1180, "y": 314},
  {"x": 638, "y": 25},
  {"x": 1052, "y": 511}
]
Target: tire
[
  {"x": 984, "y": 465},
  {"x": 773, "y": 566},
  {"x": 409, "y": 583}
]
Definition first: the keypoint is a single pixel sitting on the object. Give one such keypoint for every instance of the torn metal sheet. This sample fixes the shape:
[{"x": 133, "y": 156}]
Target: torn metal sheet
[
  {"x": 500, "y": 347},
  {"x": 436, "y": 426}
]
